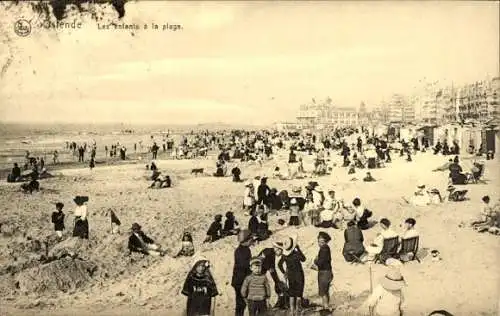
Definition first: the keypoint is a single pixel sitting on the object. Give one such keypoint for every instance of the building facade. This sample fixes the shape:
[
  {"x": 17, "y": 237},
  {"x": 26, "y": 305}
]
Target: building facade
[
  {"x": 479, "y": 100},
  {"x": 324, "y": 114},
  {"x": 400, "y": 109}
]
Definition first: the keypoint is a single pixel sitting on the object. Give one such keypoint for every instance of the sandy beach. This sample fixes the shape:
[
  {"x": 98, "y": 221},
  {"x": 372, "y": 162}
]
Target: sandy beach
[{"x": 465, "y": 282}]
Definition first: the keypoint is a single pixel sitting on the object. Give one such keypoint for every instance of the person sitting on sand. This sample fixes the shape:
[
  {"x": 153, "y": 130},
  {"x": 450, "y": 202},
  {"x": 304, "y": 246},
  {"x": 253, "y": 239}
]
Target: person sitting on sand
[
  {"x": 444, "y": 167},
  {"x": 15, "y": 175},
  {"x": 362, "y": 214},
  {"x": 274, "y": 200},
  {"x": 215, "y": 230},
  {"x": 187, "y": 246},
  {"x": 231, "y": 226},
  {"x": 455, "y": 195},
  {"x": 485, "y": 215},
  {"x": 200, "y": 289},
  {"x": 437, "y": 148},
  {"x": 348, "y": 212},
  {"x": 277, "y": 173},
  {"x": 369, "y": 178},
  {"x": 421, "y": 197},
  {"x": 489, "y": 217},
  {"x": 410, "y": 232},
  {"x": 236, "y": 172},
  {"x": 352, "y": 168},
  {"x": 330, "y": 202},
  {"x": 31, "y": 186},
  {"x": 435, "y": 196},
  {"x": 139, "y": 242},
  {"x": 377, "y": 244},
  {"x": 353, "y": 243},
  {"x": 161, "y": 182},
  {"x": 220, "y": 168},
  {"x": 58, "y": 219},
  {"x": 387, "y": 298},
  {"x": 326, "y": 219}
]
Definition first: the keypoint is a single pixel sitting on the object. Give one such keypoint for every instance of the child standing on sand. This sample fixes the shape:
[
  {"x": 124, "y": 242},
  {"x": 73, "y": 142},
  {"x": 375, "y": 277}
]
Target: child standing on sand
[
  {"x": 256, "y": 289},
  {"x": 323, "y": 264},
  {"x": 58, "y": 219}
]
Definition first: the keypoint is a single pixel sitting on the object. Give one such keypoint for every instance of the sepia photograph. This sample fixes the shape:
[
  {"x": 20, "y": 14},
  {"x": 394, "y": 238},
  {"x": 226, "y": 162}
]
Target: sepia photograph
[{"x": 249, "y": 158}]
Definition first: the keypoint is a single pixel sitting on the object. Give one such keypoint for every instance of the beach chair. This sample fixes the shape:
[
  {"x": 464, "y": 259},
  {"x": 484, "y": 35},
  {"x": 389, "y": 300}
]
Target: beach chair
[
  {"x": 477, "y": 176},
  {"x": 410, "y": 245},
  {"x": 389, "y": 250},
  {"x": 356, "y": 258}
]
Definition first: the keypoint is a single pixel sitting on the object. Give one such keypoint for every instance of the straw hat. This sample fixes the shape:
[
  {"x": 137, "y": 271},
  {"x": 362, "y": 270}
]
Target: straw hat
[
  {"x": 287, "y": 245},
  {"x": 451, "y": 188},
  {"x": 393, "y": 280},
  {"x": 393, "y": 263}
]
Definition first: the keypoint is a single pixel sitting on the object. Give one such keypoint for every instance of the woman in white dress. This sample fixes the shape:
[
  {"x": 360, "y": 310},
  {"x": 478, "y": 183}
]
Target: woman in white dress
[{"x": 81, "y": 228}]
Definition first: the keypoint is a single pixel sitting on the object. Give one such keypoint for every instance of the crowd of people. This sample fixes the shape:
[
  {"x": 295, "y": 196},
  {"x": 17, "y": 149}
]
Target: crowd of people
[{"x": 310, "y": 205}]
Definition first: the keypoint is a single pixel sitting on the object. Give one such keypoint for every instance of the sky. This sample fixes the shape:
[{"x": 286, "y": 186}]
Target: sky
[{"x": 240, "y": 62}]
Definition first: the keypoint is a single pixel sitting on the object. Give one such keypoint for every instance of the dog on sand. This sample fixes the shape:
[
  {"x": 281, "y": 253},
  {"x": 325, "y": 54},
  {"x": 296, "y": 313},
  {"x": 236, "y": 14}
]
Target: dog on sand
[{"x": 197, "y": 171}]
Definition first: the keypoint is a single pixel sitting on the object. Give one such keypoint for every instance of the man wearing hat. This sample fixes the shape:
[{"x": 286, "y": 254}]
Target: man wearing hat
[
  {"x": 241, "y": 268},
  {"x": 140, "y": 242}
]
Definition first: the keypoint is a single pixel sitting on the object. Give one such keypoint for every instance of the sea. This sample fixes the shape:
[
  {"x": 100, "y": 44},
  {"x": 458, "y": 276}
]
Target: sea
[{"x": 41, "y": 140}]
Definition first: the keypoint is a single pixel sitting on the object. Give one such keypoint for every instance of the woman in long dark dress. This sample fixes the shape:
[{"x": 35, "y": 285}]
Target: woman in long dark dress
[{"x": 292, "y": 258}]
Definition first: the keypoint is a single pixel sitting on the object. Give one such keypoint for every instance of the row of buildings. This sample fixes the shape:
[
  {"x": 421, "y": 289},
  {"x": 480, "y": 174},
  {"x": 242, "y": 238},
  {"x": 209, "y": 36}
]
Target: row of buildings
[
  {"x": 430, "y": 103},
  {"x": 434, "y": 104}
]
